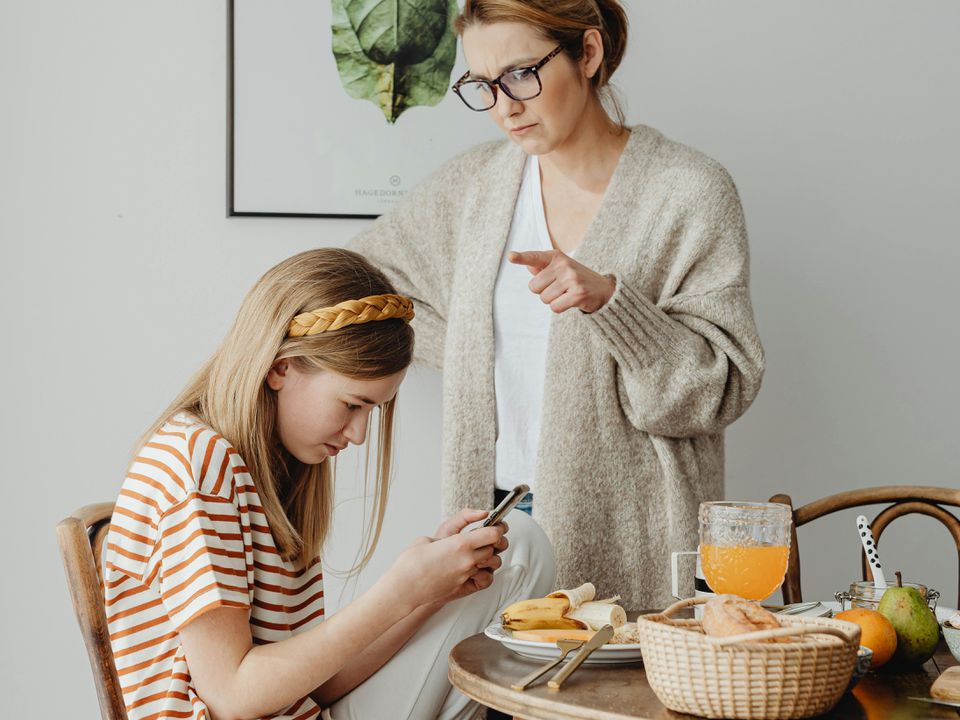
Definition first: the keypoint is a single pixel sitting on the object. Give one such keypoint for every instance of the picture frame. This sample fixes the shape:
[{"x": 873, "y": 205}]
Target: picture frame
[{"x": 299, "y": 145}]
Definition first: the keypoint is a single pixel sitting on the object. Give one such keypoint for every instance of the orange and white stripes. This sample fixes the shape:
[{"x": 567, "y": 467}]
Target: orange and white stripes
[{"x": 189, "y": 535}]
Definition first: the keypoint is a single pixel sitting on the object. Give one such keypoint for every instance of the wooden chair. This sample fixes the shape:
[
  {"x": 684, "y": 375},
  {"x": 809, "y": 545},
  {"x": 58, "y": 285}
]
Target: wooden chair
[
  {"x": 81, "y": 537},
  {"x": 906, "y": 500}
]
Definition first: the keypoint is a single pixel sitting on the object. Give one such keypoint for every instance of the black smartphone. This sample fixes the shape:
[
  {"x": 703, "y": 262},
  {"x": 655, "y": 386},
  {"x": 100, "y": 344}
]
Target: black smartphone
[{"x": 506, "y": 505}]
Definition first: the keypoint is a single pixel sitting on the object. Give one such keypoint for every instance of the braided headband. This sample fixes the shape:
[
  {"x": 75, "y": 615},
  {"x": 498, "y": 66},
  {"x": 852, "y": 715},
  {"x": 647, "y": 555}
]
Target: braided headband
[{"x": 352, "y": 312}]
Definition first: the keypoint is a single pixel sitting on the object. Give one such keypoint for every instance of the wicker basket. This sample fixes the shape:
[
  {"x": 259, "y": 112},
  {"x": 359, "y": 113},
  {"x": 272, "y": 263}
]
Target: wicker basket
[{"x": 731, "y": 678}]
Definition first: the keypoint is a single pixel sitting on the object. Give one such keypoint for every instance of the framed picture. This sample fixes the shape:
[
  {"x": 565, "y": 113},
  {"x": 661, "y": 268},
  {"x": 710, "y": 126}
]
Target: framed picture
[{"x": 337, "y": 108}]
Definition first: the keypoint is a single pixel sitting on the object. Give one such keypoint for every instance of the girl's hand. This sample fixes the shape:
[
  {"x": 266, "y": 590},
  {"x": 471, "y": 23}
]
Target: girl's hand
[
  {"x": 454, "y": 526},
  {"x": 438, "y": 570},
  {"x": 563, "y": 283}
]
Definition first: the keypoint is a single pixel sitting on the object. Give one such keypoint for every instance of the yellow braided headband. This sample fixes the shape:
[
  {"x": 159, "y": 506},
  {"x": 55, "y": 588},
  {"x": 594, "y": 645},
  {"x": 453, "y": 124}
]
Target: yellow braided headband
[{"x": 352, "y": 312}]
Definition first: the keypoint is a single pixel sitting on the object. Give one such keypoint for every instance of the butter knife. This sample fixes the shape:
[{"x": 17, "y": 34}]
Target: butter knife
[
  {"x": 599, "y": 638},
  {"x": 937, "y": 701},
  {"x": 566, "y": 647}
]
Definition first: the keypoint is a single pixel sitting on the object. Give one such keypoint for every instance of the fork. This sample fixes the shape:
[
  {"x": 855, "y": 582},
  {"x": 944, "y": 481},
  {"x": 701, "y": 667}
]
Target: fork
[{"x": 566, "y": 647}]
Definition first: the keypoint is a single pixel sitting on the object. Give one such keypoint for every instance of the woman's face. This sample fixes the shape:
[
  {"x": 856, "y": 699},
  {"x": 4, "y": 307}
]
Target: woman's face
[
  {"x": 320, "y": 412},
  {"x": 545, "y": 122}
]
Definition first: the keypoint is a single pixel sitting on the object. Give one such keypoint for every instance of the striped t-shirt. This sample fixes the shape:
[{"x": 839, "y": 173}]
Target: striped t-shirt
[{"x": 189, "y": 535}]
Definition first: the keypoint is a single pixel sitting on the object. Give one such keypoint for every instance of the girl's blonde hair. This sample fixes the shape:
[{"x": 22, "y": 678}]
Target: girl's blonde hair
[
  {"x": 230, "y": 394},
  {"x": 563, "y": 22}
]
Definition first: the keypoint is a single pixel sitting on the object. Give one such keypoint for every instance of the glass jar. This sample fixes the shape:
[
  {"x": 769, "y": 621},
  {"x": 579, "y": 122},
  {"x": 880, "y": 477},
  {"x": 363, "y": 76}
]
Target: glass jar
[
  {"x": 744, "y": 547},
  {"x": 863, "y": 594}
]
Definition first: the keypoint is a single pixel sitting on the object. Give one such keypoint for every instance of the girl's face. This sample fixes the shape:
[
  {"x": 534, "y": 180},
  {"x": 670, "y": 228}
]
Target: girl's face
[
  {"x": 543, "y": 123},
  {"x": 320, "y": 412}
]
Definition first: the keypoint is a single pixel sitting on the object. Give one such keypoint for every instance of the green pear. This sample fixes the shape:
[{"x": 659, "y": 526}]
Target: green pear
[{"x": 918, "y": 631}]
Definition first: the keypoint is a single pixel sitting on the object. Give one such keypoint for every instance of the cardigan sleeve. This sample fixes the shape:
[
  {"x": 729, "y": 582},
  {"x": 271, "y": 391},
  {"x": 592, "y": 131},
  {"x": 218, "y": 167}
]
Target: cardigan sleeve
[
  {"x": 412, "y": 245},
  {"x": 689, "y": 363}
]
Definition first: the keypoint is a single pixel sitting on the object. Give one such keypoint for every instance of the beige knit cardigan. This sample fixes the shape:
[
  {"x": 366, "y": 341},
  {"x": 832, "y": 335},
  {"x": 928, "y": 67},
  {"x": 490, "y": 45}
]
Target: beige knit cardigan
[{"x": 636, "y": 395}]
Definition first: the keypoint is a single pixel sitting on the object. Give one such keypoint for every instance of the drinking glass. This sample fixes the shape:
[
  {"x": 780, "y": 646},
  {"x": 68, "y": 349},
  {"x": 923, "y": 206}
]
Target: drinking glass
[{"x": 744, "y": 547}]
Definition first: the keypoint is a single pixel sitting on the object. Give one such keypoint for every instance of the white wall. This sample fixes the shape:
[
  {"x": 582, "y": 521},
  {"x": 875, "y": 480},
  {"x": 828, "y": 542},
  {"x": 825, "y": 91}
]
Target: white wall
[{"x": 120, "y": 271}]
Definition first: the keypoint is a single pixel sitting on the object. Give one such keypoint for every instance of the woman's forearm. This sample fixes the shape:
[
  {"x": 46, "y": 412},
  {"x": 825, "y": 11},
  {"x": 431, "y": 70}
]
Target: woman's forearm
[{"x": 365, "y": 663}]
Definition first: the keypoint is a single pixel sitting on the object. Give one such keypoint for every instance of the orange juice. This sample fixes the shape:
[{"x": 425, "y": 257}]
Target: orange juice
[{"x": 752, "y": 572}]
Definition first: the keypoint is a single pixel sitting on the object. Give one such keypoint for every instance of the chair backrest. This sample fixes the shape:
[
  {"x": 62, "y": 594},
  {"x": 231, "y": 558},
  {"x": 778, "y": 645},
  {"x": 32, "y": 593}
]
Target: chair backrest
[
  {"x": 81, "y": 537},
  {"x": 905, "y": 499}
]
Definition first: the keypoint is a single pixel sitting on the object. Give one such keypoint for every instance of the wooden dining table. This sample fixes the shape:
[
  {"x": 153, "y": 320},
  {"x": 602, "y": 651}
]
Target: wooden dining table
[{"x": 483, "y": 669}]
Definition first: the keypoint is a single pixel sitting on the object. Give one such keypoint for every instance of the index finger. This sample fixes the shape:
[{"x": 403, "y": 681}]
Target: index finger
[{"x": 535, "y": 260}]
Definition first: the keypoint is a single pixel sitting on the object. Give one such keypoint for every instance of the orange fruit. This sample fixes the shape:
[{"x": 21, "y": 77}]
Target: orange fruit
[{"x": 876, "y": 633}]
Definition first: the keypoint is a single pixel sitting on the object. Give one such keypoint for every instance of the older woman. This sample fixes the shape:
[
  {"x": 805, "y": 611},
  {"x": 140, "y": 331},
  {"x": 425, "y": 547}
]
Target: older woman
[{"x": 583, "y": 286}]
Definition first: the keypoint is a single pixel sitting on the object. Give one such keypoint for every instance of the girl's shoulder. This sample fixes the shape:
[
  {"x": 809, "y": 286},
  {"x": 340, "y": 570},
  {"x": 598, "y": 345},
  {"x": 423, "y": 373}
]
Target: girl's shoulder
[{"x": 184, "y": 458}]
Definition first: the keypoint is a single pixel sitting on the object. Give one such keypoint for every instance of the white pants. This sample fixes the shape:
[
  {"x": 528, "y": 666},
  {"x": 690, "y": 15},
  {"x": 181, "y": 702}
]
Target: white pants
[{"x": 413, "y": 683}]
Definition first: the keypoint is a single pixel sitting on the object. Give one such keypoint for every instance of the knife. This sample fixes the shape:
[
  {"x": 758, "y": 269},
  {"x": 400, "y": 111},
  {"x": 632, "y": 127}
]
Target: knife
[
  {"x": 599, "y": 638},
  {"x": 935, "y": 701}
]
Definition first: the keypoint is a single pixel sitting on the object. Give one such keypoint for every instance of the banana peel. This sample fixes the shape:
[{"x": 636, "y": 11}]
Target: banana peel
[{"x": 565, "y": 609}]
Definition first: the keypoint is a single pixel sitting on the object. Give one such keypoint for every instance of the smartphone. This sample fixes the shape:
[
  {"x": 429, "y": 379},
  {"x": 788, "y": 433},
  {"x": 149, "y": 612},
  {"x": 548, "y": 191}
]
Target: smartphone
[{"x": 506, "y": 505}]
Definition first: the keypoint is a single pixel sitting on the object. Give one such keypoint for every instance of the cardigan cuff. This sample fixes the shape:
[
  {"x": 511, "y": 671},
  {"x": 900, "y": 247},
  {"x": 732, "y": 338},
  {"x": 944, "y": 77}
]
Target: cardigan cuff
[{"x": 637, "y": 332}]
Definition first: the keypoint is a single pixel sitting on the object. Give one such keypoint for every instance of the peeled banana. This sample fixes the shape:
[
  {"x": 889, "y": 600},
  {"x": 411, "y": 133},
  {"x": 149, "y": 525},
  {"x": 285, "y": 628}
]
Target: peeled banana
[{"x": 597, "y": 614}]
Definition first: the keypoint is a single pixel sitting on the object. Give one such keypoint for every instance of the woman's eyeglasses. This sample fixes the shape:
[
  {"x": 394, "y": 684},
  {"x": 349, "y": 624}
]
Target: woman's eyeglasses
[{"x": 520, "y": 84}]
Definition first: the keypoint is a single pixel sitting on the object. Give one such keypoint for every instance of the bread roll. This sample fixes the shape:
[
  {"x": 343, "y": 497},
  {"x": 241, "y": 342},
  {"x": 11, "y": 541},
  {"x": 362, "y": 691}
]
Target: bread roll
[{"x": 726, "y": 615}]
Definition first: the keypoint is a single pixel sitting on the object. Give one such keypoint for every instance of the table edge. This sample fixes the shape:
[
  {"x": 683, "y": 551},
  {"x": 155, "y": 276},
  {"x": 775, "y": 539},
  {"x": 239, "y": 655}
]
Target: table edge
[{"x": 509, "y": 701}]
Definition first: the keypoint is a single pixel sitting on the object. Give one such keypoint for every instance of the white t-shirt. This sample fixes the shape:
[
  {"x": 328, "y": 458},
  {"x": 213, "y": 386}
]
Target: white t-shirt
[{"x": 521, "y": 324}]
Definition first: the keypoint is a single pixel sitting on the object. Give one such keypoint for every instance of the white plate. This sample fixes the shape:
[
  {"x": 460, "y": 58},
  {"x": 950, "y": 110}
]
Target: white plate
[
  {"x": 821, "y": 610},
  {"x": 606, "y": 655},
  {"x": 942, "y": 612}
]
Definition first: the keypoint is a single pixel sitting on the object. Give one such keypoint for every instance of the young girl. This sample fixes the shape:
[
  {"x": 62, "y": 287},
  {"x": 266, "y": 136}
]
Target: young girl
[{"x": 214, "y": 590}]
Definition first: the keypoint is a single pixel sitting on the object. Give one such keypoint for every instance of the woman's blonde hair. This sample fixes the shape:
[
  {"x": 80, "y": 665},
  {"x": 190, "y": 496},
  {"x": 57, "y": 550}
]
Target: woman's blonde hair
[
  {"x": 230, "y": 394},
  {"x": 564, "y": 22}
]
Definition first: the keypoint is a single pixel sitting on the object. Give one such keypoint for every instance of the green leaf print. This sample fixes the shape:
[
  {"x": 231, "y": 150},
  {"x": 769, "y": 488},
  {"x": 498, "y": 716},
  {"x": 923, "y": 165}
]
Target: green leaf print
[{"x": 395, "y": 53}]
